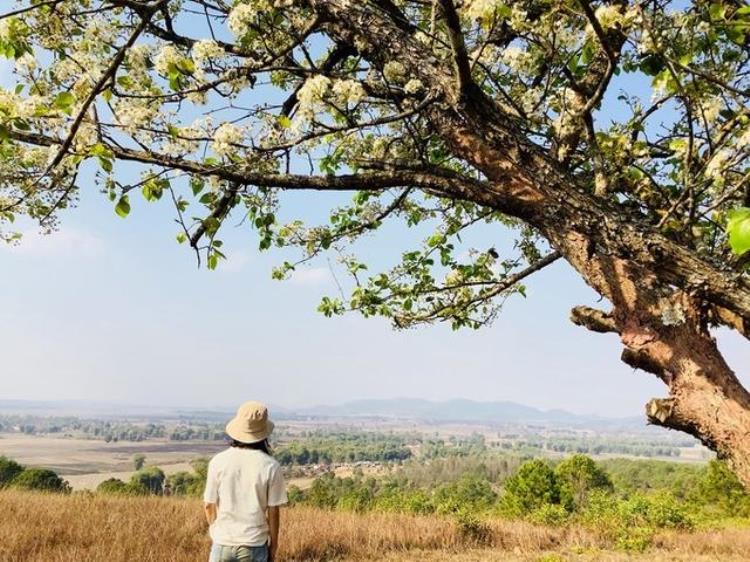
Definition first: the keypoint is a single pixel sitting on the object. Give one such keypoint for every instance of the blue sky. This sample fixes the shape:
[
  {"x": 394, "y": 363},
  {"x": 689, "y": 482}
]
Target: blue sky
[{"x": 111, "y": 309}]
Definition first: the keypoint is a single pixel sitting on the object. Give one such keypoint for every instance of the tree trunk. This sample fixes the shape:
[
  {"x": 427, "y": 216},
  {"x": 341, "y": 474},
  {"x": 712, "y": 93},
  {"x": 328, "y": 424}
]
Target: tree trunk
[{"x": 705, "y": 398}]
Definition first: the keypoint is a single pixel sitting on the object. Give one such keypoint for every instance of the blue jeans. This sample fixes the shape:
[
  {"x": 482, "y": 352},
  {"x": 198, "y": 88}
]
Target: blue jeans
[{"x": 220, "y": 553}]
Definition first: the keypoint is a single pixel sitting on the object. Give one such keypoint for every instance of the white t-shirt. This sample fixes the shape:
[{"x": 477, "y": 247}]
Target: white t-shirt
[{"x": 243, "y": 482}]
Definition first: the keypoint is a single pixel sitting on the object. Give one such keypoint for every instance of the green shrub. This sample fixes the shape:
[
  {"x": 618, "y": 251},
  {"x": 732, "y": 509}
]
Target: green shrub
[
  {"x": 322, "y": 493},
  {"x": 632, "y": 523},
  {"x": 467, "y": 493},
  {"x": 550, "y": 514},
  {"x": 634, "y": 539},
  {"x": 116, "y": 487},
  {"x": 660, "y": 511},
  {"x": 295, "y": 495},
  {"x": 151, "y": 479},
  {"x": 472, "y": 527},
  {"x": 417, "y": 502},
  {"x": 533, "y": 486},
  {"x": 9, "y": 469},
  {"x": 112, "y": 486},
  {"x": 358, "y": 500},
  {"x": 720, "y": 493},
  {"x": 184, "y": 484},
  {"x": 40, "y": 479},
  {"x": 578, "y": 476}
]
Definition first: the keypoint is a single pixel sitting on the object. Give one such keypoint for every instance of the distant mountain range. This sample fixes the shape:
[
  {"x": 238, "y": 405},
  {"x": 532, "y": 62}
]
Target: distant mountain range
[{"x": 458, "y": 410}]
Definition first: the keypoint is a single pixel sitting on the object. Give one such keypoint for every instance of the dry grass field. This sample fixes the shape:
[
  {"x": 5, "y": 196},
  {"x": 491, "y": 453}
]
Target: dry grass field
[{"x": 90, "y": 528}]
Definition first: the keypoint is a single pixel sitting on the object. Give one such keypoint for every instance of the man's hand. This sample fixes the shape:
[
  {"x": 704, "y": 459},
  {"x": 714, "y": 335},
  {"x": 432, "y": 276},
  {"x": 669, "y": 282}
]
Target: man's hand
[{"x": 210, "y": 509}]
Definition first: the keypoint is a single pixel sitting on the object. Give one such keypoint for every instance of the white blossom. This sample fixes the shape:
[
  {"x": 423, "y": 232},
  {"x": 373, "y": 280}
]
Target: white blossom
[
  {"x": 226, "y": 136},
  {"x": 26, "y": 63},
  {"x": 5, "y": 28},
  {"x": 394, "y": 71},
  {"x": 518, "y": 16},
  {"x": 744, "y": 139},
  {"x": 313, "y": 90},
  {"x": 481, "y": 9},
  {"x": 711, "y": 108},
  {"x": 413, "y": 86},
  {"x": 349, "y": 91},
  {"x": 205, "y": 50},
  {"x": 517, "y": 59},
  {"x": 716, "y": 165},
  {"x": 609, "y": 16},
  {"x": 182, "y": 141},
  {"x": 240, "y": 17},
  {"x": 169, "y": 55},
  {"x": 132, "y": 115}
]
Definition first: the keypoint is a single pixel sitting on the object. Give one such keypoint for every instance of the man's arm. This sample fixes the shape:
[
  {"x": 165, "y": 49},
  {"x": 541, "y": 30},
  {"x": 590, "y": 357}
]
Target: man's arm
[
  {"x": 274, "y": 522},
  {"x": 210, "y": 510}
]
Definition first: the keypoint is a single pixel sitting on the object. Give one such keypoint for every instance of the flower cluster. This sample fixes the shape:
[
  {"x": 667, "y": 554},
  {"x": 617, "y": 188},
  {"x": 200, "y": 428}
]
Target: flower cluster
[
  {"x": 394, "y": 71},
  {"x": 132, "y": 115},
  {"x": 413, "y": 86},
  {"x": 206, "y": 50},
  {"x": 481, "y": 9},
  {"x": 167, "y": 58},
  {"x": 225, "y": 137},
  {"x": 349, "y": 91},
  {"x": 243, "y": 15}
]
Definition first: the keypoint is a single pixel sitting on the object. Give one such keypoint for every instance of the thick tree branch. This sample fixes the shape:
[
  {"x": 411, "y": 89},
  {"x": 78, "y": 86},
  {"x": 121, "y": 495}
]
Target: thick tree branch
[{"x": 593, "y": 319}]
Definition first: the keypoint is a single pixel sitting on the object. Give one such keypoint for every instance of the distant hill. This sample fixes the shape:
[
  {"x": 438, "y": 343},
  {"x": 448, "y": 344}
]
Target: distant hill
[{"x": 458, "y": 410}]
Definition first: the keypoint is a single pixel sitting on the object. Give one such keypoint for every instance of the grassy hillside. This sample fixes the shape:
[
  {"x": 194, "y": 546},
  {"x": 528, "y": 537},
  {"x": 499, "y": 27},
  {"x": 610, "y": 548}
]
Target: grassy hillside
[{"x": 88, "y": 528}]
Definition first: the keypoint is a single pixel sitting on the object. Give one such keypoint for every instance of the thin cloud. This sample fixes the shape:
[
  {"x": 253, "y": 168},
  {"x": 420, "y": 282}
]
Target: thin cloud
[
  {"x": 312, "y": 277},
  {"x": 68, "y": 243},
  {"x": 235, "y": 262}
]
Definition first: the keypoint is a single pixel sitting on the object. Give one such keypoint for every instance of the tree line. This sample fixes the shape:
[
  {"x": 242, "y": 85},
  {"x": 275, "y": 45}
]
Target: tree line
[{"x": 630, "y": 500}]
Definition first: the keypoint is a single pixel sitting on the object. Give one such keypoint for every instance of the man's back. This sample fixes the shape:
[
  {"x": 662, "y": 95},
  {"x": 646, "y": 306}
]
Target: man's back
[{"x": 244, "y": 483}]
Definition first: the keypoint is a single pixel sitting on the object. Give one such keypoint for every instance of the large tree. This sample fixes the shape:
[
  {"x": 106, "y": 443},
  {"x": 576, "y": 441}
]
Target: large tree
[{"x": 612, "y": 135}]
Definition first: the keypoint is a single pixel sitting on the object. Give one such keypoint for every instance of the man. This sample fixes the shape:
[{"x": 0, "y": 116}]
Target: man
[{"x": 244, "y": 489}]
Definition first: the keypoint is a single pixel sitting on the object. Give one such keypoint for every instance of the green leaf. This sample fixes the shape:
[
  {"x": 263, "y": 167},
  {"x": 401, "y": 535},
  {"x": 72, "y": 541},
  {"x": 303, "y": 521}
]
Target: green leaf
[
  {"x": 738, "y": 229},
  {"x": 123, "y": 206},
  {"x": 588, "y": 52},
  {"x": 106, "y": 164},
  {"x": 213, "y": 261},
  {"x": 196, "y": 185},
  {"x": 64, "y": 101},
  {"x": 186, "y": 65},
  {"x": 717, "y": 11}
]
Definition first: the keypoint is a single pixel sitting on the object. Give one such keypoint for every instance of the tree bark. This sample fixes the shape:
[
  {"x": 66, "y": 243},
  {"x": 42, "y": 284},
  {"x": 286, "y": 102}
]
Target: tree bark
[{"x": 660, "y": 290}]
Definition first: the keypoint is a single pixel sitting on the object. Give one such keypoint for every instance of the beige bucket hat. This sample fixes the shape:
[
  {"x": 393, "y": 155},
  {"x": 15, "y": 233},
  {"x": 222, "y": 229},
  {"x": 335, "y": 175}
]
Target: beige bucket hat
[{"x": 251, "y": 424}]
